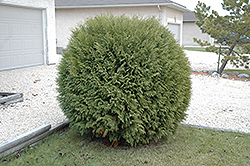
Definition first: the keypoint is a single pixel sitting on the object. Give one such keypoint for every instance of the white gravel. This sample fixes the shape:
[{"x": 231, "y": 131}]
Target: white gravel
[
  {"x": 219, "y": 103},
  {"x": 215, "y": 102},
  {"x": 40, "y": 105}
]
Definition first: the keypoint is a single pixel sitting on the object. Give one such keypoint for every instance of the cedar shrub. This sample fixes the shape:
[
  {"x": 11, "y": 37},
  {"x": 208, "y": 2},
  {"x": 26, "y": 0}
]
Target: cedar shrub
[{"x": 125, "y": 79}]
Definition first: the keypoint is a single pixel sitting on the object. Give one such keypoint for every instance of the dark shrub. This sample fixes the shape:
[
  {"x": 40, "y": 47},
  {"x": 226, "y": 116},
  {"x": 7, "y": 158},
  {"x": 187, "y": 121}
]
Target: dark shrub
[{"x": 125, "y": 79}]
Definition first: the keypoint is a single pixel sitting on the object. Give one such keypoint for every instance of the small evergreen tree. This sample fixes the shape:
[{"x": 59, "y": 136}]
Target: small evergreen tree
[
  {"x": 125, "y": 79},
  {"x": 232, "y": 29}
]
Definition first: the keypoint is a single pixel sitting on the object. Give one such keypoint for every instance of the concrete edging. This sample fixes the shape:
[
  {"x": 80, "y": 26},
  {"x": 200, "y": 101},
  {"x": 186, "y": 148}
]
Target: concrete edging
[
  {"x": 212, "y": 128},
  {"x": 29, "y": 138},
  {"x": 11, "y": 98}
]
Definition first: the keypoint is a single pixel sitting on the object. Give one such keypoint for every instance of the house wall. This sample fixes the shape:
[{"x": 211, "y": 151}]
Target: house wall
[
  {"x": 49, "y": 23},
  {"x": 67, "y": 19},
  {"x": 190, "y": 31}
]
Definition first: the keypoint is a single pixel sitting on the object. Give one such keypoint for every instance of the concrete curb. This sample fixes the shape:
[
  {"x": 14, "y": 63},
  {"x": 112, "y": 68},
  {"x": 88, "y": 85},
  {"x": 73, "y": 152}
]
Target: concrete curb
[{"x": 29, "y": 138}]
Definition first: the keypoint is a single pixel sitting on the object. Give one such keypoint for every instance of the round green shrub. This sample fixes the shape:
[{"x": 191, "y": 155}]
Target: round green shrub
[{"x": 125, "y": 79}]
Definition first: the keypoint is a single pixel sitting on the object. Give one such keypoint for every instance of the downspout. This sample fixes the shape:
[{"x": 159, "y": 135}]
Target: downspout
[{"x": 160, "y": 15}]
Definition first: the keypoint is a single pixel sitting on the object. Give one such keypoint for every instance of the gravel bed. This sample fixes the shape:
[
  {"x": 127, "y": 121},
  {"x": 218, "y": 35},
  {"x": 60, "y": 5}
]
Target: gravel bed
[
  {"x": 39, "y": 106},
  {"x": 215, "y": 102},
  {"x": 219, "y": 103}
]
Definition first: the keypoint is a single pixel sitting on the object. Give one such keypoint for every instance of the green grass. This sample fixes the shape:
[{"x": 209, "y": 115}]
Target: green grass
[
  {"x": 189, "y": 146},
  {"x": 201, "y": 49},
  {"x": 230, "y": 71}
]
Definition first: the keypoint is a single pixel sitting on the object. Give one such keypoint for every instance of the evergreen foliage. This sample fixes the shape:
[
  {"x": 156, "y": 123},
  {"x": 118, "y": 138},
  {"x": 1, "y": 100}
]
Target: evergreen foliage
[
  {"x": 125, "y": 79},
  {"x": 232, "y": 30}
]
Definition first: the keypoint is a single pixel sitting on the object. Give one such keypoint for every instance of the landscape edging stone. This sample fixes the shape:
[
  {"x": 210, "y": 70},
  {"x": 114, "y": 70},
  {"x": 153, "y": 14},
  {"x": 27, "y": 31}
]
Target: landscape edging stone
[{"x": 29, "y": 138}]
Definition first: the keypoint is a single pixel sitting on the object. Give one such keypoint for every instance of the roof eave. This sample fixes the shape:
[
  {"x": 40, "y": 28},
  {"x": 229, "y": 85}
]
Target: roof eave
[
  {"x": 174, "y": 6},
  {"x": 178, "y": 7}
]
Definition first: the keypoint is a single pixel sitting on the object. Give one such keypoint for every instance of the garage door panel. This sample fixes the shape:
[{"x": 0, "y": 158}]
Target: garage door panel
[
  {"x": 175, "y": 29},
  {"x": 27, "y": 44},
  {"x": 27, "y": 29},
  {"x": 17, "y": 45},
  {"x": 35, "y": 14},
  {"x": 21, "y": 37},
  {"x": 15, "y": 13},
  {"x": 5, "y": 62},
  {"x": 37, "y": 28},
  {"x": 37, "y": 44},
  {"x": 37, "y": 59},
  {"x": 17, "y": 60},
  {"x": 16, "y": 29},
  {"x": 5, "y": 46},
  {"x": 5, "y": 28},
  {"x": 4, "y": 12},
  {"x": 26, "y": 15},
  {"x": 27, "y": 58}
]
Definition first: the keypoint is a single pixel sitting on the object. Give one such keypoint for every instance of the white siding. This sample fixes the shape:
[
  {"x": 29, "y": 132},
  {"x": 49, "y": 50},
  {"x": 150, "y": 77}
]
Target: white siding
[
  {"x": 66, "y": 19},
  {"x": 190, "y": 31}
]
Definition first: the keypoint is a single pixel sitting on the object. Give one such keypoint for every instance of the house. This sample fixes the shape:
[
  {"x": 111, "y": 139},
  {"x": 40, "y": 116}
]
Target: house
[
  {"x": 71, "y": 12},
  {"x": 27, "y": 33},
  {"x": 191, "y": 30}
]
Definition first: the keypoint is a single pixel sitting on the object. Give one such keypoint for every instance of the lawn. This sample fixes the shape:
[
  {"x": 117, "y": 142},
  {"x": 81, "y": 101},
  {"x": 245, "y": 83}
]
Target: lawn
[
  {"x": 201, "y": 49},
  {"x": 230, "y": 71},
  {"x": 189, "y": 146}
]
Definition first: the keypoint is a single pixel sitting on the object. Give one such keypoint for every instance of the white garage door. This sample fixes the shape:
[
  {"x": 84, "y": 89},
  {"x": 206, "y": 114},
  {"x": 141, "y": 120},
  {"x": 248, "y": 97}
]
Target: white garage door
[
  {"x": 21, "y": 37},
  {"x": 175, "y": 29}
]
